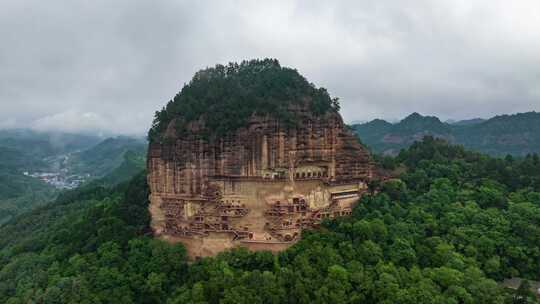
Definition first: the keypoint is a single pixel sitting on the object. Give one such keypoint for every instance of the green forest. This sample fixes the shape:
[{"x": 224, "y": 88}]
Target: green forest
[
  {"x": 448, "y": 230},
  {"x": 224, "y": 97}
]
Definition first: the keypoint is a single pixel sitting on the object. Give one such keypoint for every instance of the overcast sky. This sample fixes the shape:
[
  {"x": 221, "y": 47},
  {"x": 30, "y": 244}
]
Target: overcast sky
[{"x": 108, "y": 65}]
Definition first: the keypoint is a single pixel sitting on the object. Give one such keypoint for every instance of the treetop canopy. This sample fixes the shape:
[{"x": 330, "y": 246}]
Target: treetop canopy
[{"x": 226, "y": 96}]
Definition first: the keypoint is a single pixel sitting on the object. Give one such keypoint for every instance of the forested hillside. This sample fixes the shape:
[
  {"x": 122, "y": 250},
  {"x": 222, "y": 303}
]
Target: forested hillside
[
  {"x": 517, "y": 134},
  {"x": 59, "y": 158},
  {"x": 453, "y": 225},
  {"x": 19, "y": 193},
  {"x": 26, "y": 150},
  {"x": 107, "y": 156}
]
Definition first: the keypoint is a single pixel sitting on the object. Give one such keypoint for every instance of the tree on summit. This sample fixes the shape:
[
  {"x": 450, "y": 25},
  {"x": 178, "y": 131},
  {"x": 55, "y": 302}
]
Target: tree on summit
[{"x": 223, "y": 98}]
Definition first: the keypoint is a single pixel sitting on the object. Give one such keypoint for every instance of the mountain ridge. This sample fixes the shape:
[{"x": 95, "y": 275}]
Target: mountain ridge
[{"x": 515, "y": 134}]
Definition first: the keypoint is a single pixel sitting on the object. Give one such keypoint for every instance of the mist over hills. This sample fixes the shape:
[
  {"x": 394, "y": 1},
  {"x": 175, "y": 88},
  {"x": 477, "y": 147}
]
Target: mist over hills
[
  {"x": 465, "y": 122},
  {"x": 36, "y": 166},
  {"x": 30, "y": 148},
  {"x": 516, "y": 134}
]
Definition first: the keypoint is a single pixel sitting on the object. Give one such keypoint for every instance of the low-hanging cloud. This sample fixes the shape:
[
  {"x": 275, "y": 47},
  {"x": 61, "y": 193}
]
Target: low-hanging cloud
[{"x": 94, "y": 66}]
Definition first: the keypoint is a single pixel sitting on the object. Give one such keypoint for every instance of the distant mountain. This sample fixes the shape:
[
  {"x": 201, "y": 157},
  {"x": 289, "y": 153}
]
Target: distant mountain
[
  {"x": 52, "y": 142},
  {"x": 106, "y": 156},
  {"x": 27, "y": 149},
  {"x": 389, "y": 138},
  {"x": 517, "y": 134},
  {"x": 34, "y": 164}
]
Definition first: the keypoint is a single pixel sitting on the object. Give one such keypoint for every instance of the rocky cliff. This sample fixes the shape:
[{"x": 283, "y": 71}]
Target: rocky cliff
[{"x": 257, "y": 185}]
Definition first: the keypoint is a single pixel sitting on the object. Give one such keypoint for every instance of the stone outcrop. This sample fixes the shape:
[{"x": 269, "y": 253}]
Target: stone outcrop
[{"x": 257, "y": 186}]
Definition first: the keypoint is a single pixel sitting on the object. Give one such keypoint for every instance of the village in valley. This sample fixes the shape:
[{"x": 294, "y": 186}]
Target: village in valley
[
  {"x": 60, "y": 180},
  {"x": 58, "y": 173}
]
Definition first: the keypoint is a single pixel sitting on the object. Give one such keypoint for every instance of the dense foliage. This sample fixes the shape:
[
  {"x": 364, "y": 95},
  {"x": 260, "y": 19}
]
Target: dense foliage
[
  {"x": 454, "y": 224},
  {"x": 223, "y": 98},
  {"x": 517, "y": 134},
  {"x": 87, "y": 247},
  {"x": 19, "y": 193}
]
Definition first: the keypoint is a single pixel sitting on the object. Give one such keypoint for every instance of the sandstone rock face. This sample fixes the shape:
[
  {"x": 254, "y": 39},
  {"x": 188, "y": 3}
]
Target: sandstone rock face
[{"x": 258, "y": 186}]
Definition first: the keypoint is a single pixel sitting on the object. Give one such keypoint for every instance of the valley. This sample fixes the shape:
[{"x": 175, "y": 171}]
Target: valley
[
  {"x": 58, "y": 174},
  {"x": 36, "y": 166}
]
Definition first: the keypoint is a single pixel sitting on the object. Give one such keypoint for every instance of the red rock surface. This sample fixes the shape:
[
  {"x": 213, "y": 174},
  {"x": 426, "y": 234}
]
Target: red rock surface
[{"x": 258, "y": 186}]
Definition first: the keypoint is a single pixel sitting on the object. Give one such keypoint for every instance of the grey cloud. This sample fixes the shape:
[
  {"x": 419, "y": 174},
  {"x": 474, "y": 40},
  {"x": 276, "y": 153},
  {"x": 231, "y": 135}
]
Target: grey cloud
[{"x": 108, "y": 65}]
